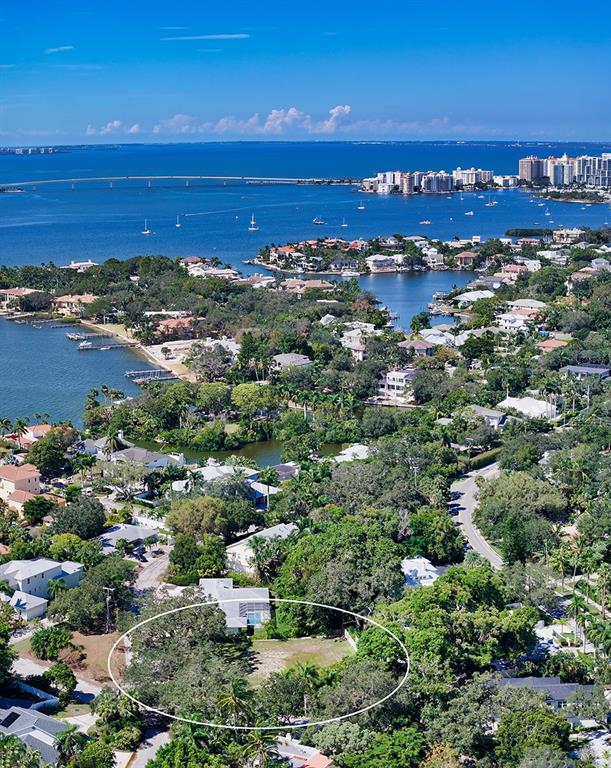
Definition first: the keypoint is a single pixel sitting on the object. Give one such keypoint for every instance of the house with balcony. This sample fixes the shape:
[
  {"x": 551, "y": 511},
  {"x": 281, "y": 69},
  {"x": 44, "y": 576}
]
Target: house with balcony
[{"x": 397, "y": 384}]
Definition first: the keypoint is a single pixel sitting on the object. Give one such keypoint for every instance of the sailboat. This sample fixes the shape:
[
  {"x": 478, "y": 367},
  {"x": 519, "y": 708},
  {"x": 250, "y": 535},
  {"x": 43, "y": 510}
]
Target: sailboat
[
  {"x": 253, "y": 224},
  {"x": 547, "y": 213},
  {"x": 343, "y": 224},
  {"x": 469, "y": 213},
  {"x": 360, "y": 206},
  {"x": 318, "y": 220},
  {"x": 178, "y": 224},
  {"x": 490, "y": 202},
  {"x": 146, "y": 230}
]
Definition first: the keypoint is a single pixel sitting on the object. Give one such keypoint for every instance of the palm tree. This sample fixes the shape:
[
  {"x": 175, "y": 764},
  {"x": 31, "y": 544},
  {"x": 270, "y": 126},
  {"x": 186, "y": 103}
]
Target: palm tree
[
  {"x": 577, "y": 606},
  {"x": 20, "y": 427},
  {"x": 261, "y": 749},
  {"x": 5, "y": 426},
  {"x": 112, "y": 444},
  {"x": 56, "y": 587},
  {"x": 68, "y": 744},
  {"x": 236, "y": 701},
  {"x": 604, "y": 585},
  {"x": 311, "y": 676},
  {"x": 560, "y": 560}
]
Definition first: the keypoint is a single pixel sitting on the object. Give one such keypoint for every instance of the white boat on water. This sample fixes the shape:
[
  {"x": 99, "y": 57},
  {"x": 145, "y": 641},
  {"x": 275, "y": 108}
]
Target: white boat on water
[
  {"x": 146, "y": 230},
  {"x": 350, "y": 273},
  {"x": 178, "y": 224},
  {"x": 253, "y": 224},
  {"x": 360, "y": 206},
  {"x": 540, "y": 205},
  {"x": 490, "y": 202},
  {"x": 318, "y": 220},
  {"x": 343, "y": 224},
  {"x": 469, "y": 213},
  {"x": 547, "y": 213},
  {"x": 85, "y": 345},
  {"x": 425, "y": 221}
]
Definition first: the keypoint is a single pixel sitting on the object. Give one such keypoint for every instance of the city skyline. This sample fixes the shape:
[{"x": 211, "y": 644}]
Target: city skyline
[{"x": 157, "y": 73}]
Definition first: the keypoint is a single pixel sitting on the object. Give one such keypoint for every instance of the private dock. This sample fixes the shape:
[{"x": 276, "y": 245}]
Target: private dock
[{"x": 153, "y": 374}]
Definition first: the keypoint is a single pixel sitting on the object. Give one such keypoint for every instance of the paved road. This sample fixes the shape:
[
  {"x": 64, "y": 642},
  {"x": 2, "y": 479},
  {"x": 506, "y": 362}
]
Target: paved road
[
  {"x": 464, "y": 495},
  {"x": 152, "y": 573}
]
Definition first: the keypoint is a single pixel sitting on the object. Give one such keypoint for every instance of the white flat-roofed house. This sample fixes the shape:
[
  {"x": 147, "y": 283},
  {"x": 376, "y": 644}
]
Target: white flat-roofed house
[
  {"x": 420, "y": 572},
  {"x": 518, "y": 320},
  {"x": 469, "y": 297},
  {"x": 240, "y": 555},
  {"x": 530, "y": 407},
  {"x": 397, "y": 385},
  {"x": 248, "y": 606},
  {"x": 81, "y": 266}
]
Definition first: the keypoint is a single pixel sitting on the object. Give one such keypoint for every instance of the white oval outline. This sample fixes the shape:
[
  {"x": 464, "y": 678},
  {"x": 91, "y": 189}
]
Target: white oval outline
[{"x": 366, "y": 619}]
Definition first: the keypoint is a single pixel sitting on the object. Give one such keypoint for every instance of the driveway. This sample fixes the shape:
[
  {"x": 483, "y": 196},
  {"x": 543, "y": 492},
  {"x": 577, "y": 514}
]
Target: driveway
[
  {"x": 152, "y": 573},
  {"x": 84, "y": 692},
  {"x": 464, "y": 495}
]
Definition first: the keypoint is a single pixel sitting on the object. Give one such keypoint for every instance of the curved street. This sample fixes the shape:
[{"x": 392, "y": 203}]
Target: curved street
[{"x": 463, "y": 502}]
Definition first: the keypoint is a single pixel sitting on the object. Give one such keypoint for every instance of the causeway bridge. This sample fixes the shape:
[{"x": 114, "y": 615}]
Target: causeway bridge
[{"x": 149, "y": 180}]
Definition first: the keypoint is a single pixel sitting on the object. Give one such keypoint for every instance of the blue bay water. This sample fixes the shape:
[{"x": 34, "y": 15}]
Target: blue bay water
[{"x": 93, "y": 221}]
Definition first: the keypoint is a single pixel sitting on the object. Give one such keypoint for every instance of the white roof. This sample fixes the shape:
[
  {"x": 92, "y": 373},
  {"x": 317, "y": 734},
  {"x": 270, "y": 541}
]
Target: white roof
[
  {"x": 527, "y": 304},
  {"x": 25, "y": 569},
  {"x": 218, "y": 589},
  {"x": 353, "y": 452},
  {"x": 127, "y": 532},
  {"x": 529, "y": 406},
  {"x": 470, "y": 296},
  {"x": 280, "y": 531},
  {"x": 266, "y": 490},
  {"x": 328, "y": 319},
  {"x": 217, "y": 471},
  {"x": 22, "y": 601}
]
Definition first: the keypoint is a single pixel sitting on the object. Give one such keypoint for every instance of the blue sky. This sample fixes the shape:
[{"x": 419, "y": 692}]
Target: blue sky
[{"x": 75, "y": 72}]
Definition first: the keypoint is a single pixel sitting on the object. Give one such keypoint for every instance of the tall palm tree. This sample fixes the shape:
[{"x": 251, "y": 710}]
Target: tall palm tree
[
  {"x": 68, "y": 744},
  {"x": 577, "y": 607},
  {"x": 261, "y": 749},
  {"x": 20, "y": 427},
  {"x": 112, "y": 444},
  {"x": 56, "y": 587},
  {"x": 604, "y": 585},
  {"x": 5, "y": 426},
  {"x": 236, "y": 701},
  {"x": 310, "y": 674}
]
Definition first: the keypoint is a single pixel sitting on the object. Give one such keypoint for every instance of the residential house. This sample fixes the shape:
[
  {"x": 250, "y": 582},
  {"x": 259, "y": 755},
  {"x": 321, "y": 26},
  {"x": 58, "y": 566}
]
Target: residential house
[
  {"x": 492, "y": 417},
  {"x": 134, "y": 535},
  {"x": 380, "y": 263},
  {"x": 298, "y": 755},
  {"x": 10, "y": 298},
  {"x": 549, "y": 345},
  {"x": 433, "y": 259},
  {"x": 299, "y": 287},
  {"x": 240, "y": 555},
  {"x": 328, "y": 319},
  {"x": 601, "y": 372},
  {"x": 32, "y": 433},
  {"x": 600, "y": 265},
  {"x": 439, "y": 335},
  {"x": 214, "y": 471},
  {"x": 396, "y": 385},
  {"x": 526, "y": 304},
  {"x": 81, "y": 266},
  {"x": 35, "y": 729},
  {"x": 469, "y": 297},
  {"x": 18, "y": 483},
  {"x": 420, "y": 572},
  {"x": 290, "y": 360},
  {"x": 175, "y": 326},
  {"x": 567, "y": 235},
  {"x": 354, "y": 452},
  {"x": 71, "y": 305},
  {"x": 517, "y": 320},
  {"x": 557, "y": 693},
  {"x": 529, "y": 407},
  {"x": 150, "y": 459},
  {"x": 29, "y": 580},
  {"x": 341, "y": 265},
  {"x": 465, "y": 260},
  {"x": 511, "y": 272},
  {"x": 420, "y": 347},
  {"x": 244, "y": 607}
]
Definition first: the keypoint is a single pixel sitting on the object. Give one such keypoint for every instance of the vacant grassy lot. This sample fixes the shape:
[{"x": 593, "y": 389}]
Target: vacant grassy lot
[{"x": 275, "y": 655}]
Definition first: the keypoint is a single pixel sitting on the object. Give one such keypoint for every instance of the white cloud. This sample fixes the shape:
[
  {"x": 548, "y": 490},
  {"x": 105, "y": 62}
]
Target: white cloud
[
  {"x": 233, "y": 36},
  {"x": 113, "y": 127},
  {"x": 60, "y": 49},
  {"x": 135, "y": 128},
  {"x": 177, "y": 124}
]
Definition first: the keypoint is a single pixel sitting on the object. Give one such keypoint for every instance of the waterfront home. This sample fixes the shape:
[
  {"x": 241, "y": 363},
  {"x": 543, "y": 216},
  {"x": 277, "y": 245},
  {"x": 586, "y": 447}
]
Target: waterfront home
[
  {"x": 420, "y": 347},
  {"x": 469, "y": 297},
  {"x": 433, "y": 259},
  {"x": 465, "y": 260},
  {"x": 32, "y": 433},
  {"x": 290, "y": 360},
  {"x": 189, "y": 261},
  {"x": 526, "y": 304},
  {"x": 354, "y": 339},
  {"x": 18, "y": 484},
  {"x": 135, "y": 535},
  {"x": 341, "y": 265},
  {"x": 240, "y": 555},
  {"x": 36, "y": 730},
  {"x": 511, "y": 272},
  {"x": 397, "y": 384},
  {"x": 380, "y": 263},
  {"x": 71, "y": 305},
  {"x": 213, "y": 471},
  {"x": 175, "y": 326},
  {"x": 354, "y": 452},
  {"x": 150, "y": 459},
  {"x": 579, "y": 372},
  {"x": 438, "y": 336},
  {"x": 529, "y": 407},
  {"x": 10, "y": 298},
  {"x": 567, "y": 235},
  {"x": 244, "y": 607},
  {"x": 420, "y": 572}
]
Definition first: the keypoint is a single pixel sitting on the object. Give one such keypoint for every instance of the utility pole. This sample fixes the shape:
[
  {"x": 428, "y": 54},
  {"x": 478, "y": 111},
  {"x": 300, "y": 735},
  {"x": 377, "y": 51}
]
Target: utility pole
[{"x": 108, "y": 591}]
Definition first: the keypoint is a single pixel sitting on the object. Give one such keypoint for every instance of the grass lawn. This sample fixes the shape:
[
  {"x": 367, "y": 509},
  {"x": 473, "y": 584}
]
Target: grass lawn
[
  {"x": 74, "y": 710},
  {"x": 275, "y": 655}
]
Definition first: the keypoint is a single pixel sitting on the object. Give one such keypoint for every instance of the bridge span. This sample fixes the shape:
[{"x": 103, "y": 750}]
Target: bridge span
[{"x": 150, "y": 179}]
